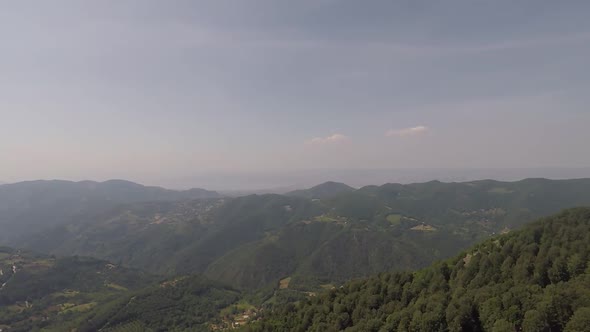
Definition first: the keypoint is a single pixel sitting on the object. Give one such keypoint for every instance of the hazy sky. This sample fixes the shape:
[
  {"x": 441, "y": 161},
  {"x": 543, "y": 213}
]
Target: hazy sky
[{"x": 148, "y": 90}]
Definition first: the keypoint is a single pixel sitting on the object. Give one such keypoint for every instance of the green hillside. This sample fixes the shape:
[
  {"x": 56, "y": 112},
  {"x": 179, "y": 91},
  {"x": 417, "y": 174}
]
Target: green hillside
[{"x": 534, "y": 279}]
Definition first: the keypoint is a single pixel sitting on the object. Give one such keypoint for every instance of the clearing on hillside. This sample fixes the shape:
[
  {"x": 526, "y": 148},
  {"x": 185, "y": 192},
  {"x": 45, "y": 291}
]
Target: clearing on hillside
[
  {"x": 394, "y": 219},
  {"x": 284, "y": 283},
  {"x": 423, "y": 228}
]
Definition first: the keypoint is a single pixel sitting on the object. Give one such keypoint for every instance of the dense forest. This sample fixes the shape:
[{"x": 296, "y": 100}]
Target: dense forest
[{"x": 534, "y": 279}]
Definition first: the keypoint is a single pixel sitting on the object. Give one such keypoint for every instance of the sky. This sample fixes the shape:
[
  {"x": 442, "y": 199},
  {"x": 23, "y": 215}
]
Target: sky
[{"x": 157, "y": 91}]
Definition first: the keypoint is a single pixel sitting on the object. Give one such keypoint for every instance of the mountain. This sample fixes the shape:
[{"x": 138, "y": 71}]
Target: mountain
[
  {"x": 534, "y": 279},
  {"x": 325, "y": 190},
  {"x": 41, "y": 291},
  {"x": 35, "y": 205},
  {"x": 253, "y": 242}
]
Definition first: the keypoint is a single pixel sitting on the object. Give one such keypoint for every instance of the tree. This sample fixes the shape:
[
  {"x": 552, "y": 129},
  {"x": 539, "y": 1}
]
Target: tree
[
  {"x": 534, "y": 322},
  {"x": 580, "y": 321},
  {"x": 502, "y": 325}
]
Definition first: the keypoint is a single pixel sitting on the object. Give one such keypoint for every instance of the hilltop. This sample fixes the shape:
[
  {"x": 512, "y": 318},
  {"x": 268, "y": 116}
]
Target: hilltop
[{"x": 325, "y": 190}]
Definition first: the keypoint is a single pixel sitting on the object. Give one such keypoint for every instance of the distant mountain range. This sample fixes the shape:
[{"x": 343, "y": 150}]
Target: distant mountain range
[
  {"x": 347, "y": 233},
  {"x": 25, "y": 206},
  {"x": 282, "y": 181}
]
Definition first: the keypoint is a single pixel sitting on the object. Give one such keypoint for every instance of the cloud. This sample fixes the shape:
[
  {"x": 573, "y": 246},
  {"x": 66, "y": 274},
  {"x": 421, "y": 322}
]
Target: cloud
[
  {"x": 407, "y": 131},
  {"x": 332, "y": 139}
]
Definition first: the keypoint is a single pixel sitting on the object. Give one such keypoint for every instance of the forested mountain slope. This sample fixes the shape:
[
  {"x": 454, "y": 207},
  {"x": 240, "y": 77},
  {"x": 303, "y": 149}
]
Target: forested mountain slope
[
  {"x": 534, "y": 279},
  {"x": 34, "y": 205}
]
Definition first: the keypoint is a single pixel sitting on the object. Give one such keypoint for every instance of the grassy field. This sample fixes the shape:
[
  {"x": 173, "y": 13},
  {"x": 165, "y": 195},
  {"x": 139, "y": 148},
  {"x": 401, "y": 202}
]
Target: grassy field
[
  {"x": 117, "y": 287},
  {"x": 69, "y": 307},
  {"x": 325, "y": 218},
  {"x": 66, "y": 293},
  {"x": 240, "y": 306}
]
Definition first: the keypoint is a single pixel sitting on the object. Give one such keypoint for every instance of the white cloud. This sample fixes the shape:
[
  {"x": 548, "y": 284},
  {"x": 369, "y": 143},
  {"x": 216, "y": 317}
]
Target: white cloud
[
  {"x": 407, "y": 131},
  {"x": 332, "y": 139}
]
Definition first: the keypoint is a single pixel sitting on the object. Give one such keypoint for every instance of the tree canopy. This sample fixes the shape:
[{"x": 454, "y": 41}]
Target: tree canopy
[{"x": 535, "y": 279}]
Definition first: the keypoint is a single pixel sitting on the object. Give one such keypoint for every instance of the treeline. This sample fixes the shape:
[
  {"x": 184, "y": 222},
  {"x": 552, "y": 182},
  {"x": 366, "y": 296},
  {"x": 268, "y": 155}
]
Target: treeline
[{"x": 536, "y": 279}]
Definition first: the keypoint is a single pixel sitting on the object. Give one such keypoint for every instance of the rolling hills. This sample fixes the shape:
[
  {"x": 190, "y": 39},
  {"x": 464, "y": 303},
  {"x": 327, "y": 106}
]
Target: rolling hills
[
  {"x": 266, "y": 252},
  {"x": 254, "y": 241},
  {"x": 534, "y": 279}
]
